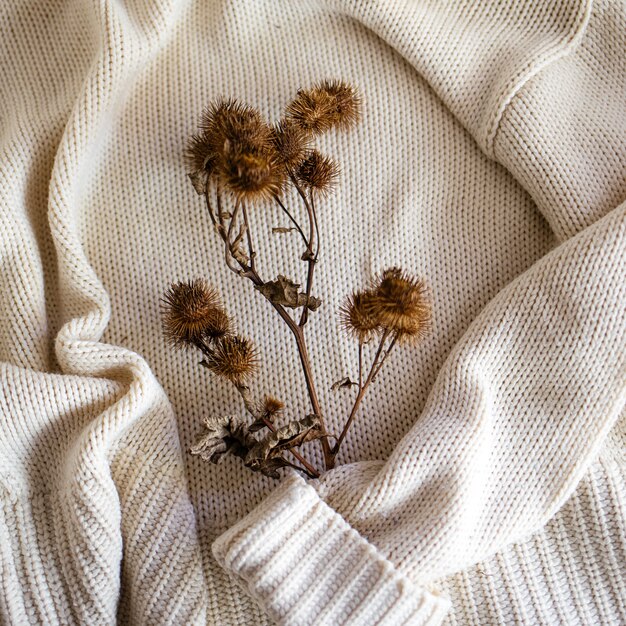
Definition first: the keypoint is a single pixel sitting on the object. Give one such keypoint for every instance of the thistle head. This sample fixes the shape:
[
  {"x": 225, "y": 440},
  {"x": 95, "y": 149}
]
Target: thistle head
[
  {"x": 193, "y": 313},
  {"x": 291, "y": 142},
  {"x": 272, "y": 406},
  {"x": 232, "y": 357},
  {"x": 401, "y": 304},
  {"x": 237, "y": 146},
  {"x": 328, "y": 104},
  {"x": 251, "y": 175},
  {"x": 318, "y": 173},
  {"x": 199, "y": 153},
  {"x": 358, "y": 316}
]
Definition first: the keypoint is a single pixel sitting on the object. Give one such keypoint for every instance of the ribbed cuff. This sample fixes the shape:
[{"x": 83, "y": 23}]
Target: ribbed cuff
[{"x": 306, "y": 565}]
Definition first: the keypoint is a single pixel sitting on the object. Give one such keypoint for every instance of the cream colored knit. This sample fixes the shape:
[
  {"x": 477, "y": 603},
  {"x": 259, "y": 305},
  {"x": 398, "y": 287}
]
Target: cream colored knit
[{"x": 484, "y": 481}]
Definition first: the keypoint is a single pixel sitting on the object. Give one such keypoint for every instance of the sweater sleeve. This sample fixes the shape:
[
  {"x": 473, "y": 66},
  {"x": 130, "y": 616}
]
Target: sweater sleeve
[{"x": 520, "y": 408}]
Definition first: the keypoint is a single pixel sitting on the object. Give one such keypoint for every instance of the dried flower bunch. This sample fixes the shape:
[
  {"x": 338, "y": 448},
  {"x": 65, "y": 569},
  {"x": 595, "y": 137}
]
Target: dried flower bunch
[{"x": 238, "y": 161}]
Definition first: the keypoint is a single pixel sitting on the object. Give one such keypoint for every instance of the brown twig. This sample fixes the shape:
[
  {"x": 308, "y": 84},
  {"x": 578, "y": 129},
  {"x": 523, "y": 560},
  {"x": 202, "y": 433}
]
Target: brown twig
[
  {"x": 296, "y": 329},
  {"x": 291, "y": 217},
  {"x": 251, "y": 251},
  {"x": 374, "y": 369}
]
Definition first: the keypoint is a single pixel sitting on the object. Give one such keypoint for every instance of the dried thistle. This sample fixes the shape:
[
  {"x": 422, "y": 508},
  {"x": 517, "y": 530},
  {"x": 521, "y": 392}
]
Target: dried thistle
[
  {"x": 291, "y": 143},
  {"x": 401, "y": 304},
  {"x": 237, "y": 145},
  {"x": 265, "y": 413},
  {"x": 233, "y": 357},
  {"x": 272, "y": 406},
  {"x": 358, "y": 316},
  {"x": 199, "y": 153},
  {"x": 328, "y": 104},
  {"x": 252, "y": 175},
  {"x": 193, "y": 314},
  {"x": 234, "y": 121},
  {"x": 318, "y": 172}
]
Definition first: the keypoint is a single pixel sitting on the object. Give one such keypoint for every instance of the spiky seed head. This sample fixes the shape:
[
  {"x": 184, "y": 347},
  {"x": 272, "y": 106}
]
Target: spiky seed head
[
  {"x": 237, "y": 146},
  {"x": 222, "y": 120},
  {"x": 358, "y": 316},
  {"x": 401, "y": 303},
  {"x": 272, "y": 405},
  {"x": 193, "y": 313},
  {"x": 232, "y": 357},
  {"x": 318, "y": 172},
  {"x": 328, "y": 104},
  {"x": 251, "y": 175},
  {"x": 291, "y": 142},
  {"x": 199, "y": 153},
  {"x": 234, "y": 121}
]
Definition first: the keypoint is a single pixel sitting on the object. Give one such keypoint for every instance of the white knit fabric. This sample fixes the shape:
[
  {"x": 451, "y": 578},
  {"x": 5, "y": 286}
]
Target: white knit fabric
[{"x": 484, "y": 480}]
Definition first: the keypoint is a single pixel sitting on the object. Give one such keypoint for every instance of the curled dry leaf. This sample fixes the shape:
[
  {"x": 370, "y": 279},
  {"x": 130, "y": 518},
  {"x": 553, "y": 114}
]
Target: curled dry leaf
[
  {"x": 283, "y": 229},
  {"x": 269, "y": 467},
  {"x": 285, "y": 292},
  {"x": 291, "y": 435},
  {"x": 344, "y": 383},
  {"x": 223, "y": 435}
]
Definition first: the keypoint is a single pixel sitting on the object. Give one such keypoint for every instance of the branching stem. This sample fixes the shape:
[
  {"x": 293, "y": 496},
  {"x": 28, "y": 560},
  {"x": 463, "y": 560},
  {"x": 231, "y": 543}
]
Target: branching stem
[
  {"x": 374, "y": 370},
  {"x": 250, "y": 272},
  {"x": 291, "y": 217}
]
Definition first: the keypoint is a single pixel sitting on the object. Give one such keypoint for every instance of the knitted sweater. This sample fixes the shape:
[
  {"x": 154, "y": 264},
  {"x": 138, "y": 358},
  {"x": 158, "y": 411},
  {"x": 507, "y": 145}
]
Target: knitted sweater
[{"x": 483, "y": 482}]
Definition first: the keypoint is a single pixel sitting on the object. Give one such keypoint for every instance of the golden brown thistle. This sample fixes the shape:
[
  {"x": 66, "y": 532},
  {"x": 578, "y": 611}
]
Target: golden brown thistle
[
  {"x": 318, "y": 172},
  {"x": 272, "y": 406},
  {"x": 328, "y": 104},
  {"x": 291, "y": 142},
  {"x": 234, "y": 121},
  {"x": 401, "y": 304},
  {"x": 199, "y": 153},
  {"x": 358, "y": 316},
  {"x": 250, "y": 174},
  {"x": 237, "y": 145},
  {"x": 193, "y": 313},
  {"x": 232, "y": 357}
]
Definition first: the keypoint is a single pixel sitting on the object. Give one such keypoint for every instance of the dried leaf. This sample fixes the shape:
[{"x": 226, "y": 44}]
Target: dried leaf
[
  {"x": 239, "y": 254},
  {"x": 291, "y": 435},
  {"x": 223, "y": 435},
  {"x": 226, "y": 215},
  {"x": 199, "y": 181},
  {"x": 256, "y": 426},
  {"x": 283, "y": 229},
  {"x": 270, "y": 466},
  {"x": 344, "y": 383},
  {"x": 314, "y": 303},
  {"x": 285, "y": 292}
]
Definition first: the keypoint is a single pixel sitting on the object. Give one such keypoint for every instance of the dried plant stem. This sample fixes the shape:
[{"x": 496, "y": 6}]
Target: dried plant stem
[
  {"x": 387, "y": 352},
  {"x": 308, "y": 255},
  {"x": 296, "y": 329},
  {"x": 379, "y": 360},
  {"x": 360, "y": 364},
  {"x": 251, "y": 251},
  {"x": 292, "y": 219},
  {"x": 250, "y": 407}
]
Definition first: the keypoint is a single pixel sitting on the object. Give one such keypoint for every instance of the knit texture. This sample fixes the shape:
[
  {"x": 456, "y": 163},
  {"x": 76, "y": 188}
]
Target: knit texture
[
  {"x": 484, "y": 479},
  {"x": 292, "y": 539}
]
